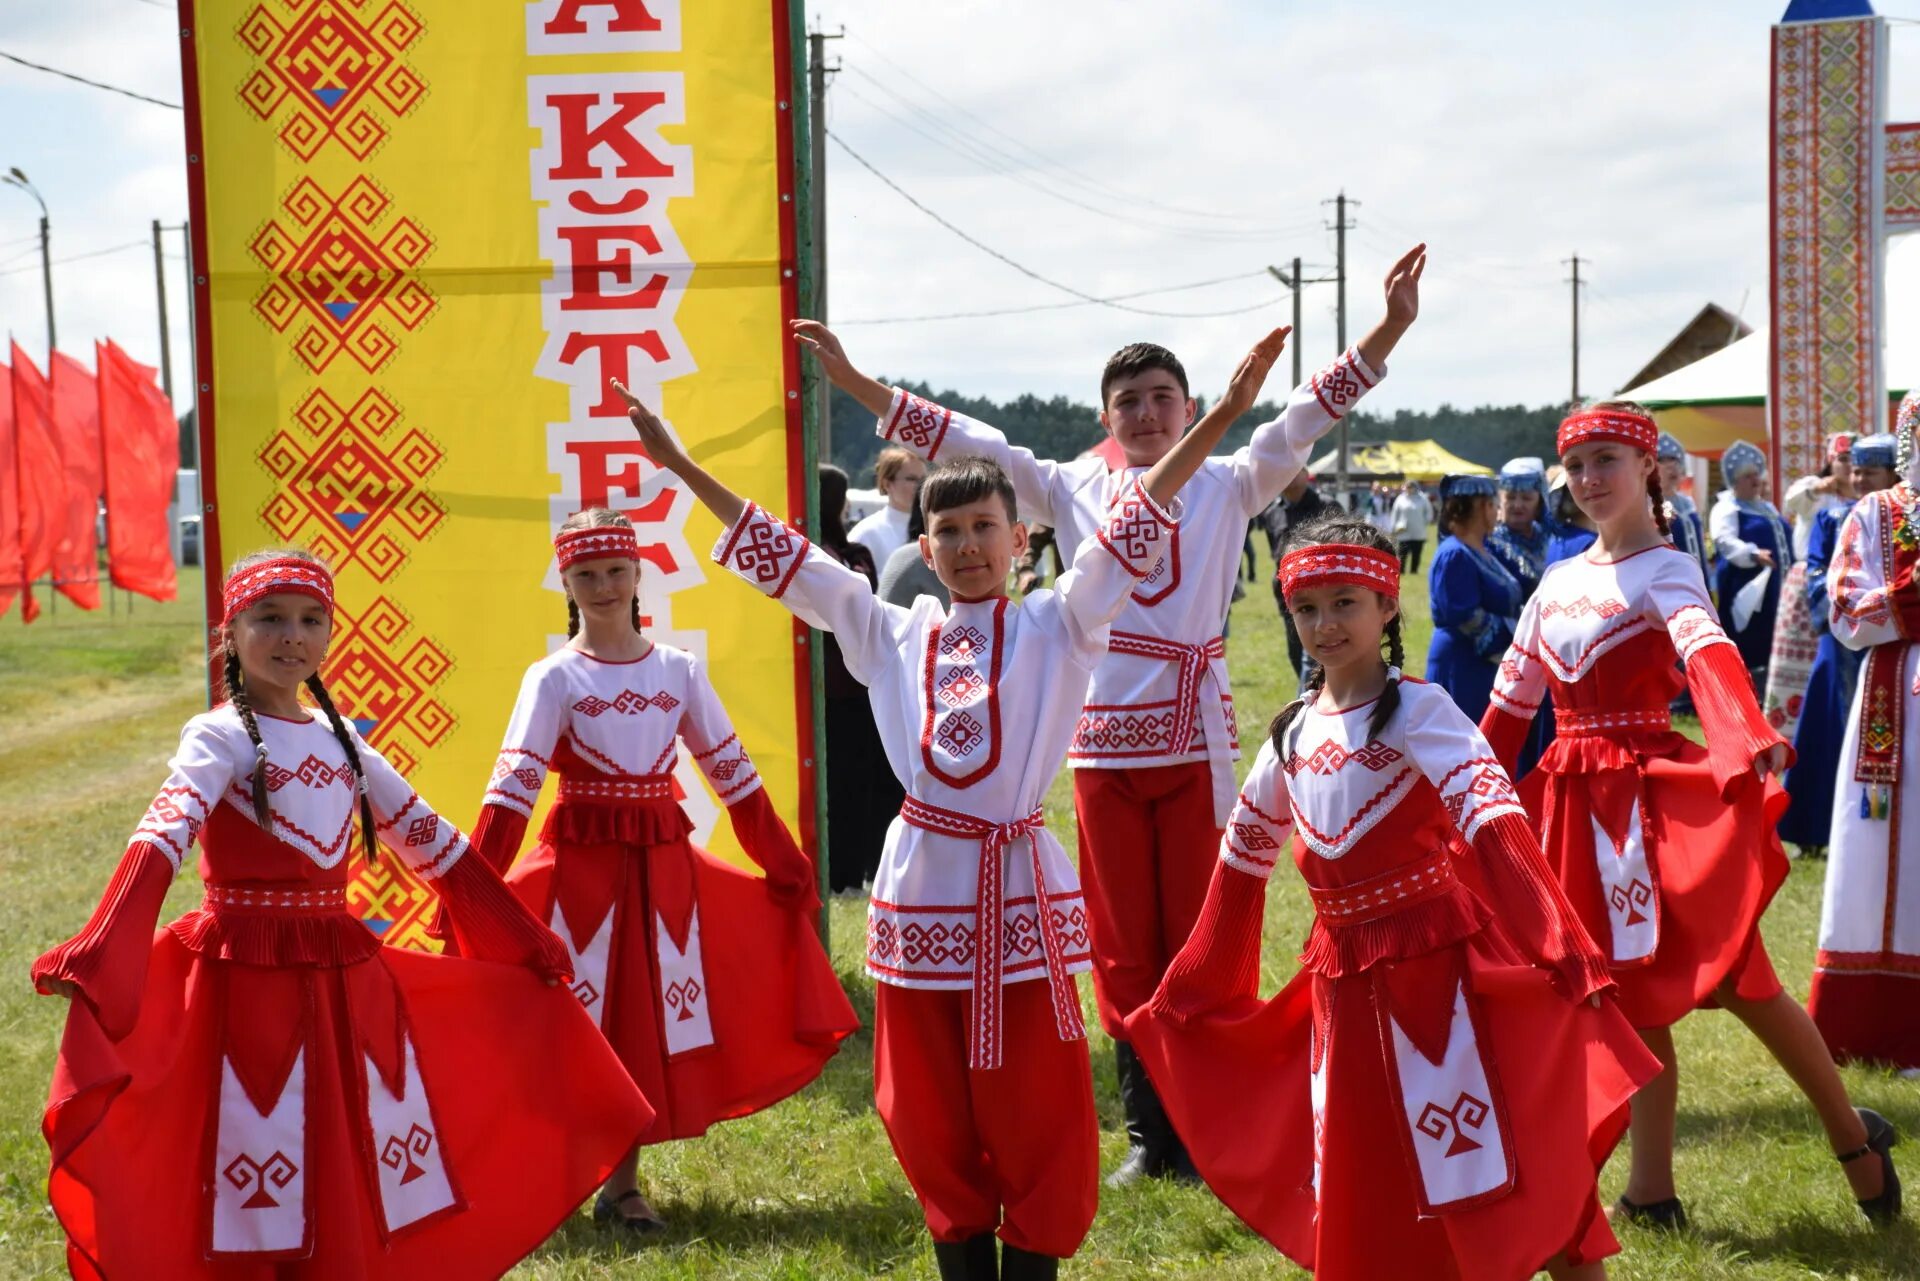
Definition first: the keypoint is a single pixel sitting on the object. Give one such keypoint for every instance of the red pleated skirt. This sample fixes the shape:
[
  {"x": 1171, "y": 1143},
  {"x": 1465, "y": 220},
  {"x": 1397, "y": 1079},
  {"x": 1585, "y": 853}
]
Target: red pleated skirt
[
  {"x": 765, "y": 987},
  {"x": 531, "y": 1109},
  {"x": 1717, "y": 863},
  {"x": 1237, "y": 1085}
]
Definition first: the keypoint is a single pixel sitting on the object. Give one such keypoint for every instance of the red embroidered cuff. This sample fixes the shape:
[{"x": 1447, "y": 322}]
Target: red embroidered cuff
[
  {"x": 1343, "y": 382},
  {"x": 915, "y": 422},
  {"x": 763, "y": 550},
  {"x": 1736, "y": 729}
]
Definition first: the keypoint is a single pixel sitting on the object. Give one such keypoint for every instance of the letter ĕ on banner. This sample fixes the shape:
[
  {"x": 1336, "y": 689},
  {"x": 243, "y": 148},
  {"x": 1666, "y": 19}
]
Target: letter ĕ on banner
[{"x": 426, "y": 234}]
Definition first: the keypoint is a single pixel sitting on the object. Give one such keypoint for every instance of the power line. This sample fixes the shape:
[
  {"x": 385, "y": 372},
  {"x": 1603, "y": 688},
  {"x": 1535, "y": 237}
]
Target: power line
[
  {"x": 1017, "y": 169},
  {"x": 68, "y": 75},
  {"x": 95, "y": 253},
  {"x": 918, "y": 78},
  {"x": 990, "y": 251},
  {"x": 1058, "y": 306}
]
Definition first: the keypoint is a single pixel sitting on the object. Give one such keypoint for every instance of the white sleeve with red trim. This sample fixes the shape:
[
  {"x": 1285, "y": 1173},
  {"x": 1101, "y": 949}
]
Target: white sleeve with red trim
[
  {"x": 1677, "y": 602},
  {"x": 526, "y": 752},
  {"x": 1862, "y": 608},
  {"x": 708, "y": 733},
  {"x": 1519, "y": 687},
  {"x": 1457, "y": 760},
  {"x": 403, "y": 822},
  {"x": 780, "y": 561},
  {"x": 1262, "y": 819},
  {"x": 933, "y": 431},
  {"x": 1268, "y": 462},
  {"x": 198, "y": 775},
  {"x": 1097, "y": 586}
]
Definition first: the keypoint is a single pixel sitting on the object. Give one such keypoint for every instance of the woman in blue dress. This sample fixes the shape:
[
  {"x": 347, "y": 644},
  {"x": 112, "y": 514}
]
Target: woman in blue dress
[
  {"x": 1836, "y": 669},
  {"x": 1475, "y": 599},
  {"x": 1522, "y": 534},
  {"x": 1572, "y": 531},
  {"x": 1751, "y": 537},
  {"x": 1686, "y": 528}
]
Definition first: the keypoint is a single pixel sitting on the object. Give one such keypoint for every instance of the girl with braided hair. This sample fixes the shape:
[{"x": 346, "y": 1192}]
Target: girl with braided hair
[
  {"x": 263, "y": 1088},
  {"x": 709, "y": 983},
  {"x": 1433, "y": 1091},
  {"x": 1666, "y": 849}
]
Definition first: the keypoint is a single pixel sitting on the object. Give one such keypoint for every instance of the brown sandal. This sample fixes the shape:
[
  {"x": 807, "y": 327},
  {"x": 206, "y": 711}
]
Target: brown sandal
[{"x": 606, "y": 1211}]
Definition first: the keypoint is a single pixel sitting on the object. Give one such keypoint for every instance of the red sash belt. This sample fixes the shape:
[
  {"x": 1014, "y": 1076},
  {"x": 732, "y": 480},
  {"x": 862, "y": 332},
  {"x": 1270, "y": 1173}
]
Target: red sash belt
[
  {"x": 1388, "y": 893},
  {"x": 275, "y": 898},
  {"x": 1602, "y": 722},
  {"x": 1193, "y": 660},
  {"x": 1883, "y": 709},
  {"x": 638, "y": 787},
  {"x": 983, "y": 1031}
]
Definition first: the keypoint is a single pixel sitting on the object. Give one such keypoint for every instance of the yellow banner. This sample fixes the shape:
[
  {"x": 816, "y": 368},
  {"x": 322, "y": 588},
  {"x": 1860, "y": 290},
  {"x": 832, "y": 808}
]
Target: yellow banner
[{"x": 426, "y": 233}]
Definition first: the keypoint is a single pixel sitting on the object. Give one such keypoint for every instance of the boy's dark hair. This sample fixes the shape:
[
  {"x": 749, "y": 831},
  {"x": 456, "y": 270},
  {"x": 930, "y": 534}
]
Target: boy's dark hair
[
  {"x": 1138, "y": 358},
  {"x": 963, "y": 481},
  {"x": 1341, "y": 528}
]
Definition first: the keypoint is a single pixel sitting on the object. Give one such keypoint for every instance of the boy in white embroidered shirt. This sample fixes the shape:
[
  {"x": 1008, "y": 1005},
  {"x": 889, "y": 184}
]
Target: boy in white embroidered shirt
[
  {"x": 1153, "y": 751},
  {"x": 977, "y": 923}
]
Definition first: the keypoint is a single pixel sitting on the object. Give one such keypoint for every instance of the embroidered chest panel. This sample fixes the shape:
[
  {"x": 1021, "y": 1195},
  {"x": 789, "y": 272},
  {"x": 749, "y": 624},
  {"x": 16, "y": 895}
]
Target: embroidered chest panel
[
  {"x": 1584, "y": 613},
  {"x": 960, "y": 732},
  {"x": 1340, "y": 785},
  {"x": 624, "y": 717},
  {"x": 310, "y": 791}
]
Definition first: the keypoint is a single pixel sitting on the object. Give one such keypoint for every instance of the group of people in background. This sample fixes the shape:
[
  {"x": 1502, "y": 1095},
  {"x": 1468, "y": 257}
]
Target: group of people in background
[{"x": 1507, "y": 922}]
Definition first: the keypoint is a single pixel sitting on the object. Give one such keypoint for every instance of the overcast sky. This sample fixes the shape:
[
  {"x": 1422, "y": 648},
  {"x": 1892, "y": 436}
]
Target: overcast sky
[{"x": 1116, "y": 147}]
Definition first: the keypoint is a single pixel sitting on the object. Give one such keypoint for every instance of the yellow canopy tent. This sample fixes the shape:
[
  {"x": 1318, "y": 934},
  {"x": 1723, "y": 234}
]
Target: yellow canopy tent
[{"x": 1423, "y": 460}]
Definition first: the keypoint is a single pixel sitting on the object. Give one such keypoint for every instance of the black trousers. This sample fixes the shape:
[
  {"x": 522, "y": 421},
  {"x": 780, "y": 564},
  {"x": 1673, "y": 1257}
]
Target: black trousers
[{"x": 1410, "y": 555}]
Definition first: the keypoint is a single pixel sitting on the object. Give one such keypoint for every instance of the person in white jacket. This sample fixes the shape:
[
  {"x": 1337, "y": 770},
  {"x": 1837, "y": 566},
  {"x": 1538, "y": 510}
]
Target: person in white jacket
[{"x": 1412, "y": 513}]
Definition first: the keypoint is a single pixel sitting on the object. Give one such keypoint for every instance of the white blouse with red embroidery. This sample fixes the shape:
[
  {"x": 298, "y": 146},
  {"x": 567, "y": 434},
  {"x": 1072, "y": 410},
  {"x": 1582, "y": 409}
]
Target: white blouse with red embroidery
[
  {"x": 310, "y": 791},
  {"x": 976, "y": 705},
  {"x": 1161, "y": 696},
  {"x": 622, "y": 718}
]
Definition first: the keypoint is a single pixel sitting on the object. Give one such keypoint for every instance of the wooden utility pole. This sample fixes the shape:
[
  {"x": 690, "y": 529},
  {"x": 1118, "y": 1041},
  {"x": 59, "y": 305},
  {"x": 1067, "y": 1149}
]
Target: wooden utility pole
[
  {"x": 1340, "y": 228},
  {"x": 1575, "y": 260},
  {"x": 817, "y": 70}
]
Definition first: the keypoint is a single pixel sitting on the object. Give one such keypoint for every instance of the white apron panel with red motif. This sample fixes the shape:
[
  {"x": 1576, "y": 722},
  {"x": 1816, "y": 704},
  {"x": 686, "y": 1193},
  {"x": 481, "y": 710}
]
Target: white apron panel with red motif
[
  {"x": 683, "y": 988},
  {"x": 590, "y": 962},
  {"x": 1626, "y": 881},
  {"x": 413, "y": 1181},
  {"x": 1452, "y": 1112},
  {"x": 260, "y": 1168}
]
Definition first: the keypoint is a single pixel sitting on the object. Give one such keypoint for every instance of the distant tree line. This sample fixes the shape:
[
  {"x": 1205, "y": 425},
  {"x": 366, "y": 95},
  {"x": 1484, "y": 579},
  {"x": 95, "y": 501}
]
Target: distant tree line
[{"x": 1062, "y": 428}]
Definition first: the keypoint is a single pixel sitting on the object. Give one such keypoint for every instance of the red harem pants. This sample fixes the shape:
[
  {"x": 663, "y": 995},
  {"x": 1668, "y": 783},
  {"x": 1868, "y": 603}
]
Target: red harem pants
[
  {"x": 1147, "y": 849},
  {"x": 1015, "y": 1148}
]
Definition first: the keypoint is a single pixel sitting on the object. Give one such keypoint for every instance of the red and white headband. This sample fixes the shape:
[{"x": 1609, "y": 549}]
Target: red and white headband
[
  {"x": 1328, "y": 564},
  {"x": 598, "y": 542},
  {"x": 292, "y": 574},
  {"x": 1623, "y": 425}
]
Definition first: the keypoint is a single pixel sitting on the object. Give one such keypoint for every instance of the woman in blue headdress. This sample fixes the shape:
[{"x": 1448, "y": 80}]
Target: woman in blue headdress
[
  {"x": 1572, "y": 532},
  {"x": 1688, "y": 531},
  {"x": 1751, "y": 537},
  {"x": 1522, "y": 533},
  {"x": 1475, "y": 599},
  {"x": 1836, "y": 668}
]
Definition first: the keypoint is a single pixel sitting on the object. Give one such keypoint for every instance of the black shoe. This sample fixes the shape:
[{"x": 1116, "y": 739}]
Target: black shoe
[
  {"x": 975, "y": 1259},
  {"x": 1665, "y": 1216},
  {"x": 1024, "y": 1265},
  {"x": 1881, "y": 1136},
  {"x": 606, "y": 1211},
  {"x": 1148, "y": 1133}
]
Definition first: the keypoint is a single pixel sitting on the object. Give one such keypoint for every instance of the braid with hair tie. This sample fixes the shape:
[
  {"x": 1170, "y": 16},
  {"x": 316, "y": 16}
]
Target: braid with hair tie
[
  {"x": 1389, "y": 701},
  {"x": 237, "y": 695},
  {"x": 1657, "y": 493},
  {"x": 1316, "y": 680},
  {"x": 638, "y": 630},
  {"x": 573, "y": 618},
  {"x": 340, "y": 732}
]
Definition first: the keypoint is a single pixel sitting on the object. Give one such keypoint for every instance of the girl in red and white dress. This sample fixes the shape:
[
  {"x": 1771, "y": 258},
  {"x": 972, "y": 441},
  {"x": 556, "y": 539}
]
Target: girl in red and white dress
[
  {"x": 1433, "y": 1093},
  {"x": 261, "y": 1089},
  {"x": 710, "y": 983},
  {"x": 1666, "y": 849}
]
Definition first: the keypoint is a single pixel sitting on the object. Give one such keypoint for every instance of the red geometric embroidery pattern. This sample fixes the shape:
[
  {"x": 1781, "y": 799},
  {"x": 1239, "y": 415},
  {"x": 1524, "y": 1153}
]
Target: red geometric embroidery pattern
[
  {"x": 766, "y": 552},
  {"x": 1339, "y": 385},
  {"x": 1331, "y": 758},
  {"x": 959, "y": 734},
  {"x": 627, "y": 702},
  {"x": 334, "y": 268},
  {"x": 919, "y": 424},
  {"x": 1467, "y": 1113},
  {"x": 404, "y": 1149},
  {"x": 423, "y": 831},
  {"x": 351, "y": 486},
  {"x": 1121, "y": 731},
  {"x": 682, "y": 997},
  {"x": 1630, "y": 899},
  {"x": 337, "y": 72},
  {"x": 949, "y": 945},
  {"x": 959, "y": 685},
  {"x": 1254, "y": 837},
  {"x": 383, "y": 679},
  {"x": 965, "y": 642},
  {"x": 244, "y": 1172},
  {"x": 1582, "y": 607}
]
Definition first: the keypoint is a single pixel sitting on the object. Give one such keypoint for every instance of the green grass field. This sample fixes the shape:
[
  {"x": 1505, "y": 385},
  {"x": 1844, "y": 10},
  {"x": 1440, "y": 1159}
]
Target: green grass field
[{"x": 809, "y": 1189}]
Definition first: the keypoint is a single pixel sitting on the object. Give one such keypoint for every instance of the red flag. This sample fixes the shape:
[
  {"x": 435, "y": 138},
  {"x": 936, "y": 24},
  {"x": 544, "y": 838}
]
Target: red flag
[
  {"x": 11, "y": 577},
  {"x": 42, "y": 483},
  {"x": 142, "y": 457},
  {"x": 76, "y": 433}
]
